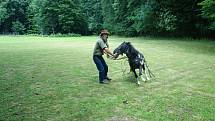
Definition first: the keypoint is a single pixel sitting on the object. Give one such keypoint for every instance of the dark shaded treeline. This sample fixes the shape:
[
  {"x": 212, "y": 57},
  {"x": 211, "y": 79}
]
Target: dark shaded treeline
[{"x": 184, "y": 18}]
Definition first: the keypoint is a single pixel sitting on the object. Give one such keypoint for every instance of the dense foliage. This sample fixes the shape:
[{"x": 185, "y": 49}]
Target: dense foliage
[{"x": 122, "y": 17}]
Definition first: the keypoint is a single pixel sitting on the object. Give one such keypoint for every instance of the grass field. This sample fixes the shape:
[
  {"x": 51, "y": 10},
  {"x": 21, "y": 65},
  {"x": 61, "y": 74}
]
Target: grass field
[{"x": 55, "y": 79}]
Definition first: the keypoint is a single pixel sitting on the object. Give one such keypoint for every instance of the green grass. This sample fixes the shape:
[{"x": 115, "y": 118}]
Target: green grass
[{"x": 55, "y": 79}]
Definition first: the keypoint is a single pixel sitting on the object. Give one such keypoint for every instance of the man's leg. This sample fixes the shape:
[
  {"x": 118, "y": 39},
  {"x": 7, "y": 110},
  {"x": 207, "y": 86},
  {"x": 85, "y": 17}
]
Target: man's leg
[
  {"x": 106, "y": 69},
  {"x": 100, "y": 68},
  {"x": 105, "y": 66}
]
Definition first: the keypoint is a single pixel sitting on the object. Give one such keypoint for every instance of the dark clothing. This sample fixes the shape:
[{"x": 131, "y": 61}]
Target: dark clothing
[{"x": 101, "y": 66}]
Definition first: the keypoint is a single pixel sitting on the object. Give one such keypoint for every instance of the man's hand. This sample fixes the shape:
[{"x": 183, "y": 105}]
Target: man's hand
[
  {"x": 113, "y": 57},
  {"x": 108, "y": 56},
  {"x": 108, "y": 52}
]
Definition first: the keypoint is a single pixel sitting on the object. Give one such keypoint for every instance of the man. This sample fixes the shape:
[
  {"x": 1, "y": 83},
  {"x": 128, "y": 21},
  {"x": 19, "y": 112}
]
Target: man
[{"x": 100, "y": 48}]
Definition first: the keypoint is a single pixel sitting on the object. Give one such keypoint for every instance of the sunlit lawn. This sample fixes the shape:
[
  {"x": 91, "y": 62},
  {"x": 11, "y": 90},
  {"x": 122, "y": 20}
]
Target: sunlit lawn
[{"x": 55, "y": 79}]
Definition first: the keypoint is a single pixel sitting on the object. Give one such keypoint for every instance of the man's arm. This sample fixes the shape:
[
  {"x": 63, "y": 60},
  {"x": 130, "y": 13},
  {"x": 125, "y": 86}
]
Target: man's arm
[{"x": 107, "y": 50}]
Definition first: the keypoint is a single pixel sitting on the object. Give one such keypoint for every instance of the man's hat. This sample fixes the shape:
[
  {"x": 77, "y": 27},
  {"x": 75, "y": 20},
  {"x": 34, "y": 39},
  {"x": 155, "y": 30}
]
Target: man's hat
[{"x": 104, "y": 32}]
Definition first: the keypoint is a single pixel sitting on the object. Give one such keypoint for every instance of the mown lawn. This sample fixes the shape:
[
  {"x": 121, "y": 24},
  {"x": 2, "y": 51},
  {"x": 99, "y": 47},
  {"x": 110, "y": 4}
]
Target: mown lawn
[{"x": 55, "y": 79}]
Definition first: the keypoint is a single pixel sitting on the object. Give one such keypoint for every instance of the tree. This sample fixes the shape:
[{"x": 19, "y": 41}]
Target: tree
[
  {"x": 57, "y": 16},
  {"x": 108, "y": 15},
  {"x": 208, "y": 12},
  {"x": 120, "y": 16},
  {"x": 93, "y": 12},
  {"x": 43, "y": 16},
  {"x": 71, "y": 17},
  {"x": 3, "y": 11},
  {"x": 12, "y": 11},
  {"x": 18, "y": 27}
]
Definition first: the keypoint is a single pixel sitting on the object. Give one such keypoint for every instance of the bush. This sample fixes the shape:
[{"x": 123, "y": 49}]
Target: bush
[
  {"x": 18, "y": 28},
  {"x": 65, "y": 35}
]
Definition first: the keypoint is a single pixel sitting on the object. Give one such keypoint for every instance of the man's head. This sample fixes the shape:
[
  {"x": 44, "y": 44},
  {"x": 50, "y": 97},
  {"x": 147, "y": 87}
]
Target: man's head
[{"x": 104, "y": 34}]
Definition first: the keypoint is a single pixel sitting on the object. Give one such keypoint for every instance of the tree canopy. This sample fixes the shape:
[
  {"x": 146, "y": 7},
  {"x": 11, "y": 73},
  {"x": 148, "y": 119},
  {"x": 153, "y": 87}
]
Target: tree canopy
[{"x": 195, "y": 18}]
